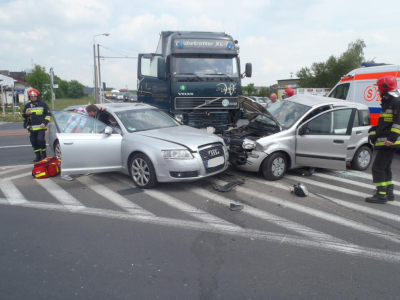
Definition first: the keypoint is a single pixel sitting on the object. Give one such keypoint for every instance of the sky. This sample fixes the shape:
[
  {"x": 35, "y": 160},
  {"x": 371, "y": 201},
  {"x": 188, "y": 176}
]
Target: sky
[{"x": 277, "y": 37}]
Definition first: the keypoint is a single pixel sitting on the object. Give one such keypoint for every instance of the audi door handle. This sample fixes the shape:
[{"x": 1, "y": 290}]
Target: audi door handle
[
  {"x": 338, "y": 141},
  {"x": 68, "y": 143},
  {"x": 358, "y": 132}
]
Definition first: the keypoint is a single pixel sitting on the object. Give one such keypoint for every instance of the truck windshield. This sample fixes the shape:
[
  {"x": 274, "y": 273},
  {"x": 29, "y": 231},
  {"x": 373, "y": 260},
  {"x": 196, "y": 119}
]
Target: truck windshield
[{"x": 205, "y": 66}]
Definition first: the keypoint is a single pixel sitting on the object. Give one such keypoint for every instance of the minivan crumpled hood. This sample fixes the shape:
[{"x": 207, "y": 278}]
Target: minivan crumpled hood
[
  {"x": 253, "y": 109},
  {"x": 186, "y": 136}
]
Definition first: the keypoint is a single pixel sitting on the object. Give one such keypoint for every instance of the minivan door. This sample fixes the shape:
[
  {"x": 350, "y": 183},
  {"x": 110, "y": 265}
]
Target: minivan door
[{"x": 322, "y": 141}]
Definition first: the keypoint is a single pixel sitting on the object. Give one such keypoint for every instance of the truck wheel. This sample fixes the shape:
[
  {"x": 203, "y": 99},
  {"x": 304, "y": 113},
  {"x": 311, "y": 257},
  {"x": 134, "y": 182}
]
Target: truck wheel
[
  {"x": 362, "y": 159},
  {"x": 142, "y": 172},
  {"x": 274, "y": 166}
]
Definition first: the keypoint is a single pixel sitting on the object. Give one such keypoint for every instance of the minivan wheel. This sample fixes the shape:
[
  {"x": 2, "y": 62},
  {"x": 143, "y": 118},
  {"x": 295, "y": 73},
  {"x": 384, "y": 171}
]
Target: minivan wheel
[
  {"x": 274, "y": 166},
  {"x": 142, "y": 172},
  {"x": 362, "y": 159}
]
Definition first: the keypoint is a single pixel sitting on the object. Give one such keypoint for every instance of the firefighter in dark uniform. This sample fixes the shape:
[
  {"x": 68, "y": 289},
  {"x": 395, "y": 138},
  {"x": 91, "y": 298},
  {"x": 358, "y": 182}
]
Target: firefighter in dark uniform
[
  {"x": 37, "y": 116},
  {"x": 386, "y": 138}
]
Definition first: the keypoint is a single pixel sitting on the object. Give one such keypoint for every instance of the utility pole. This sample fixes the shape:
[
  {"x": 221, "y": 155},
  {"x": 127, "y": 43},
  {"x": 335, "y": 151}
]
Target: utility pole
[
  {"x": 2, "y": 101},
  {"x": 51, "y": 87},
  {"x": 95, "y": 75},
  {"x": 100, "y": 85}
]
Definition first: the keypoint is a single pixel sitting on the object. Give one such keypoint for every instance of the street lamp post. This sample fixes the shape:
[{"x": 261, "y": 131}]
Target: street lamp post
[{"x": 96, "y": 90}]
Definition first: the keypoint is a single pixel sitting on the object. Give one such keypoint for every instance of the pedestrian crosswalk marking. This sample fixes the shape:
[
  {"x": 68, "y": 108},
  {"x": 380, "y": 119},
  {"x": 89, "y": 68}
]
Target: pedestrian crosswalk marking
[
  {"x": 60, "y": 194},
  {"x": 180, "y": 205},
  {"x": 335, "y": 188},
  {"x": 284, "y": 223},
  {"x": 13, "y": 195},
  {"x": 308, "y": 237},
  {"x": 112, "y": 196},
  {"x": 314, "y": 212},
  {"x": 344, "y": 180},
  {"x": 364, "y": 209},
  {"x": 349, "y": 249}
]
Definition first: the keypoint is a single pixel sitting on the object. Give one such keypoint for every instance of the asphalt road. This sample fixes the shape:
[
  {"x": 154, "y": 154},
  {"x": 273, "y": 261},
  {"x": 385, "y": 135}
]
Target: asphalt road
[{"x": 81, "y": 239}]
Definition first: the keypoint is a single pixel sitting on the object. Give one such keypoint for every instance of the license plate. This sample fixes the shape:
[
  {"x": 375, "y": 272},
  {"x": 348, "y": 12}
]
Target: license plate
[{"x": 215, "y": 162}]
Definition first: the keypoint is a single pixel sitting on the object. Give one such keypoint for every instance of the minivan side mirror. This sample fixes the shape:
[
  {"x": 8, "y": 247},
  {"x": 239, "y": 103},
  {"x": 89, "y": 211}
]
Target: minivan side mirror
[
  {"x": 160, "y": 68},
  {"x": 302, "y": 129}
]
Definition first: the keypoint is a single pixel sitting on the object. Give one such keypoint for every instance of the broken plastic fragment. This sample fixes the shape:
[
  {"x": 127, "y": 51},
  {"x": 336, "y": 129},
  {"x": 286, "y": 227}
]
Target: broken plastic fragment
[
  {"x": 227, "y": 187},
  {"x": 236, "y": 206}
]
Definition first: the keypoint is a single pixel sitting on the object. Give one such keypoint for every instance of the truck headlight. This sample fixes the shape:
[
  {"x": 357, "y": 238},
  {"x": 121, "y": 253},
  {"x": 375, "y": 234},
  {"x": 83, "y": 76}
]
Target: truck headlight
[
  {"x": 248, "y": 144},
  {"x": 179, "y": 118},
  {"x": 176, "y": 154}
]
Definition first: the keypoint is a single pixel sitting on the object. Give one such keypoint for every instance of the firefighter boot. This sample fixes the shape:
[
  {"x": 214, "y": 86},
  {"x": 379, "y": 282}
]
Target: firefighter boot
[
  {"x": 38, "y": 157},
  {"x": 390, "y": 192},
  {"x": 44, "y": 154},
  {"x": 379, "y": 196}
]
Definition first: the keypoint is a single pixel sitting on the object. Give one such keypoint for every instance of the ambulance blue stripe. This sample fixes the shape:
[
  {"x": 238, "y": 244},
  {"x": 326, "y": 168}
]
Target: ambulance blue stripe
[{"x": 375, "y": 110}]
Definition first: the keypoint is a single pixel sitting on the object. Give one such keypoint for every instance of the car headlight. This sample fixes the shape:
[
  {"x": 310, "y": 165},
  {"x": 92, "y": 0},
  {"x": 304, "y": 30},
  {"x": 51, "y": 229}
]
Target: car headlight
[
  {"x": 176, "y": 154},
  {"x": 248, "y": 144}
]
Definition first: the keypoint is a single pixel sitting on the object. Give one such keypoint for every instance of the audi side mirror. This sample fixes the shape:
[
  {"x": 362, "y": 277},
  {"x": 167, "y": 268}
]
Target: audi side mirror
[{"x": 108, "y": 130}]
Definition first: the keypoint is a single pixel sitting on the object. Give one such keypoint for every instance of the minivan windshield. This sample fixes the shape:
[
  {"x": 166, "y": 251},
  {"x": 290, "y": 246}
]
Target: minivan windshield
[
  {"x": 287, "y": 112},
  {"x": 145, "y": 119}
]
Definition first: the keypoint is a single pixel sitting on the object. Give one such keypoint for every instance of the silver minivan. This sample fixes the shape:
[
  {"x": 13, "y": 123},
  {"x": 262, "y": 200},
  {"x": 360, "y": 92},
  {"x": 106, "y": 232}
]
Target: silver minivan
[{"x": 302, "y": 131}]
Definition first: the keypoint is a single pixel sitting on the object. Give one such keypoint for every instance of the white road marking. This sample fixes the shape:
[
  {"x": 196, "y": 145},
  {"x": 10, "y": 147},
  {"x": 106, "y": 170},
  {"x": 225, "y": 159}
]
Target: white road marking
[
  {"x": 11, "y": 192},
  {"x": 344, "y": 180},
  {"x": 335, "y": 188},
  {"x": 60, "y": 194},
  {"x": 6, "y": 170},
  {"x": 112, "y": 196},
  {"x": 314, "y": 212},
  {"x": 282, "y": 239},
  {"x": 180, "y": 205},
  {"x": 276, "y": 220},
  {"x": 17, "y": 146},
  {"x": 365, "y": 209},
  {"x": 20, "y": 176},
  {"x": 365, "y": 176}
]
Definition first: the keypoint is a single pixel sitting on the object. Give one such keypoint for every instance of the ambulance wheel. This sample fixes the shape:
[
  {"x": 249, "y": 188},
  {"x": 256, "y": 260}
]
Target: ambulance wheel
[
  {"x": 362, "y": 159},
  {"x": 142, "y": 172},
  {"x": 57, "y": 149},
  {"x": 274, "y": 166}
]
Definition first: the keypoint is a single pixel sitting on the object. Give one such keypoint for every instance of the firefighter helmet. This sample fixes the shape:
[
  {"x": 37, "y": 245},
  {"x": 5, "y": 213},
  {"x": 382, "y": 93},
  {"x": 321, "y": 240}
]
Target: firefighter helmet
[
  {"x": 34, "y": 92},
  {"x": 386, "y": 84},
  {"x": 290, "y": 92}
]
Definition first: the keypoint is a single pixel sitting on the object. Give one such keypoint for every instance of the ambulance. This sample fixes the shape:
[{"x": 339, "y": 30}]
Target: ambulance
[{"x": 358, "y": 86}]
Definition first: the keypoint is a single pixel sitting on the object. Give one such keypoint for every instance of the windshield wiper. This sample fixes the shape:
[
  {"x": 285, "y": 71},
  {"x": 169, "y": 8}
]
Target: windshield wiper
[
  {"x": 191, "y": 74},
  {"x": 220, "y": 74}
]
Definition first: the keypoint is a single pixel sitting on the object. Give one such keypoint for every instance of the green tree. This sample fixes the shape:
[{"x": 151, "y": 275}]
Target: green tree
[
  {"x": 40, "y": 80},
  {"x": 264, "y": 92},
  {"x": 327, "y": 74},
  {"x": 249, "y": 90},
  {"x": 75, "y": 89}
]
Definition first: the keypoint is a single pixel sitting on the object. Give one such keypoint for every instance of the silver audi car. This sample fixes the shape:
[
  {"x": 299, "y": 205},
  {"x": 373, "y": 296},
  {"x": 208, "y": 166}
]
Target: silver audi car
[
  {"x": 301, "y": 131},
  {"x": 138, "y": 140}
]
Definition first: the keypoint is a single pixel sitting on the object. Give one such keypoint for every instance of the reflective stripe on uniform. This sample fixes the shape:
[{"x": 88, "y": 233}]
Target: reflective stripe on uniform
[
  {"x": 38, "y": 150},
  {"x": 396, "y": 126},
  {"x": 388, "y": 111},
  {"x": 383, "y": 143},
  {"x": 47, "y": 118},
  {"x": 37, "y": 127},
  {"x": 386, "y": 115},
  {"x": 385, "y": 183},
  {"x": 372, "y": 133},
  {"x": 395, "y": 130}
]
